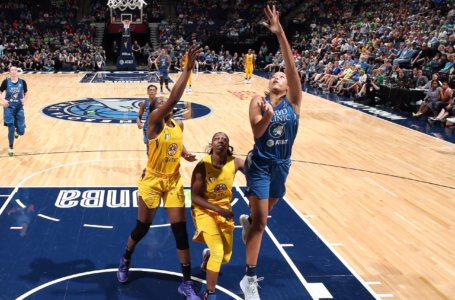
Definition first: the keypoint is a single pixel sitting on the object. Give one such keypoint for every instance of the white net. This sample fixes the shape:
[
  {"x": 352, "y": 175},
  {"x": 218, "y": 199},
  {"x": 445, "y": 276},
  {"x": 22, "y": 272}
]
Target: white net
[
  {"x": 124, "y": 4},
  {"x": 126, "y": 24}
]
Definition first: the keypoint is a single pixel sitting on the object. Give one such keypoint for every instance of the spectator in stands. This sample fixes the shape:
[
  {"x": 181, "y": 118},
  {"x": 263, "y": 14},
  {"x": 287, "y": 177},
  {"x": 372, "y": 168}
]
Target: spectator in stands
[
  {"x": 368, "y": 93},
  {"x": 435, "y": 104},
  {"x": 420, "y": 80},
  {"x": 405, "y": 55},
  {"x": 146, "y": 51},
  {"x": 264, "y": 49},
  {"x": 449, "y": 64},
  {"x": 428, "y": 85}
]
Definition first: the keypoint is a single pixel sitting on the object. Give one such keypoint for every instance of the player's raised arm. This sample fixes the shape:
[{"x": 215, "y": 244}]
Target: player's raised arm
[
  {"x": 177, "y": 91},
  {"x": 258, "y": 121},
  {"x": 294, "y": 93}
]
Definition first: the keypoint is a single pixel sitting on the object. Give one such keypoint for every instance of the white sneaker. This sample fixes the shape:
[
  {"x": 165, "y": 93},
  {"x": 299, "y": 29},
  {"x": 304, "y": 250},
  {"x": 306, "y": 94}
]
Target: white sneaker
[
  {"x": 190, "y": 90},
  {"x": 246, "y": 226},
  {"x": 249, "y": 286},
  {"x": 186, "y": 91}
]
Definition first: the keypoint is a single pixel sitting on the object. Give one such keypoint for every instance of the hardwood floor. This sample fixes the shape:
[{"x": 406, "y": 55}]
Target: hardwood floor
[{"x": 385, "y": 192}]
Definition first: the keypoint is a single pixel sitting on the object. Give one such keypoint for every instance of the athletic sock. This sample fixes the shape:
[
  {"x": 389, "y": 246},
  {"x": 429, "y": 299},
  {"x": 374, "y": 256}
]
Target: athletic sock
[
  {"x": 250, "y": 270},
  {"x": 186, "y": 271},
  {"x": 208, "y": 293},
  {"x": 250, "y": 220},
  {"x": 127, "y": 254},
  {"x": 11, "y": 146}
]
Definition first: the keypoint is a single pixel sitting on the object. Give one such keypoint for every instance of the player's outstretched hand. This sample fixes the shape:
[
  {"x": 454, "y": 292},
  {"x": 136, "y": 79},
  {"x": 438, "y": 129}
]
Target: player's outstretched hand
[
  {"x": 274, "y": 18},
  {"x": 189, "y": 157},
  {"x": 193, "y": 53},
  {"x": 266, "y": 107}
]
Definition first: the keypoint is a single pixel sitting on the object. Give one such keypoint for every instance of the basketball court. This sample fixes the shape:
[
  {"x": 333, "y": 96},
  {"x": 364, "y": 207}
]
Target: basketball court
[{"x": 368, "y": 212}]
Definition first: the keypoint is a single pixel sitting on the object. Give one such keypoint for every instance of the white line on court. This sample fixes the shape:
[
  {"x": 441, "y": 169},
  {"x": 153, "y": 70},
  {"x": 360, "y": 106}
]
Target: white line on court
[
  {"x": 31, "y": 292},
  {"x": 16, "y": 228},
  {"x": 162, "y": 225},
  {"x": 20, "y": 203},
  {"x": 234, "y": 202},
  {"x": 380, "y": 186},
  {"x": 373, "y": 282},
  {"x": 98, "y": 226},
  {"x": 60, "y": 166},
  {"x": 238, "y": 226},
  {"x": 285, "y": 255},
  {"x": 343, "y": 261},
  {"x": 49, "y": 218},
  {"x": 4, "y": 195},
  {"x": 269, "y": 217},
  {"x": 287, "y": 245}
]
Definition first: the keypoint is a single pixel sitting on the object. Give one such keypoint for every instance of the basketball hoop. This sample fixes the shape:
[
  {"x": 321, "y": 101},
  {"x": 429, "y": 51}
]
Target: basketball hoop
[
  {"x": 124, "y": 4},
  {"x": 126, "y": 24}
]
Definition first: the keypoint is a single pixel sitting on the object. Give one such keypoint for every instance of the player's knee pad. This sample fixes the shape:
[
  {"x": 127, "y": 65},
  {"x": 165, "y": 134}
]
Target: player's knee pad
[
  {"x": 139, "y": 231},
  {"x": 166, "y": 81},
  {"x": 161, "y": 80},
  {"x": 180, "y": 235}
]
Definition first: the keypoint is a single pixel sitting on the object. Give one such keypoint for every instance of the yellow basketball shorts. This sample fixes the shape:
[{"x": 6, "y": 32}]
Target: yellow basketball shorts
[
  {"x": 218, "y": 236},
  {"x": 153, "y": 187},
  {"x": 249, "y": 69}
]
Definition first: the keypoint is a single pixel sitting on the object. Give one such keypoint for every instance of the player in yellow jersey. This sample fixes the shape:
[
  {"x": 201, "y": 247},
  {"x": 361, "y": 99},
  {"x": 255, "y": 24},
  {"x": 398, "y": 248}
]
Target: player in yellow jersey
[
  {"x": 249, "y": 66},
  {"x": 184, "y": 63},
  {"x": 161, "y": 179},
  {"x": 211, "y": 194}
]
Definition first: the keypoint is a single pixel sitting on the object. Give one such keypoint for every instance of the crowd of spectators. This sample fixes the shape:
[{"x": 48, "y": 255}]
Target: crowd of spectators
[
  {"x": 354, "y": 50},
  {"x": 237, "y": 20},
  {"x": 44, "y": 38}
]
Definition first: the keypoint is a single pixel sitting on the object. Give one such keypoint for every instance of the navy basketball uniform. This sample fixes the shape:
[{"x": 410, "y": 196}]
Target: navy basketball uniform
[{"x": 267, "y": 165}]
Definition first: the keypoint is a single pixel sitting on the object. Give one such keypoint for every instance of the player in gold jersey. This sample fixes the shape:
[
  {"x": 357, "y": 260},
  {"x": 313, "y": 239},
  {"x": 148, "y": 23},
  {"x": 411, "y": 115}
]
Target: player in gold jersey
[
  {"x": 249, "y": 66},
  {"x": 161, "y": 179},
  {"x": 184, "y": 63},
  {"x": 211, "y": 194}
]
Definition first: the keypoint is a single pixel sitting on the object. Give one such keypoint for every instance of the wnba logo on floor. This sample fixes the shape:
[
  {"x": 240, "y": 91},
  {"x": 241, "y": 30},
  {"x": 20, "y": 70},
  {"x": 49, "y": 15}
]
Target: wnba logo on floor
[{"x": 115, "y": 110}]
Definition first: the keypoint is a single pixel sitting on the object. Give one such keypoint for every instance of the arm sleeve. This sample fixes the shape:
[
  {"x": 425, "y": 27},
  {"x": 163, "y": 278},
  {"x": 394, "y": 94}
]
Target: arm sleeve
[
  {"x": 4, "y": 86},
  {"x": 25, "y": 86}
]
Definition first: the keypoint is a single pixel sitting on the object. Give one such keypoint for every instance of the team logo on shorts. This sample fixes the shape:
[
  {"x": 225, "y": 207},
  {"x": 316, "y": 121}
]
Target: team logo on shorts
[
  {"x": 172, "y": 149},
  {"x": 276, "y": 130},
  {"x": 220, "y": 188},
  {"x": 115, "y": 110}
]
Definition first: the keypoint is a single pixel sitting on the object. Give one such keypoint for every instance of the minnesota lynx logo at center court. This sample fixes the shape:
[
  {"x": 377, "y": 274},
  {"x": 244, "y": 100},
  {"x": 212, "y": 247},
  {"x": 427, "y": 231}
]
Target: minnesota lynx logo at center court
[{"x": 116, "y": 110}]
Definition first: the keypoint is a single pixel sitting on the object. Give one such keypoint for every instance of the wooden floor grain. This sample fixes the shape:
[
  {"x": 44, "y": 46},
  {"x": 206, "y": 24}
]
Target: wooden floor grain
[{"x": 385, "y": 192}]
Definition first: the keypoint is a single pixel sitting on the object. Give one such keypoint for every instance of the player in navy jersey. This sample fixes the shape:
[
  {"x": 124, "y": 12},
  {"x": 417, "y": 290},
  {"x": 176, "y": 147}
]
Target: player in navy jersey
[
  {"x": 274, "y": 120},
  {"x": 145, "y": 109},
  {"x": 164, "y": 63},
  {"x": 13, "y": 106}
]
